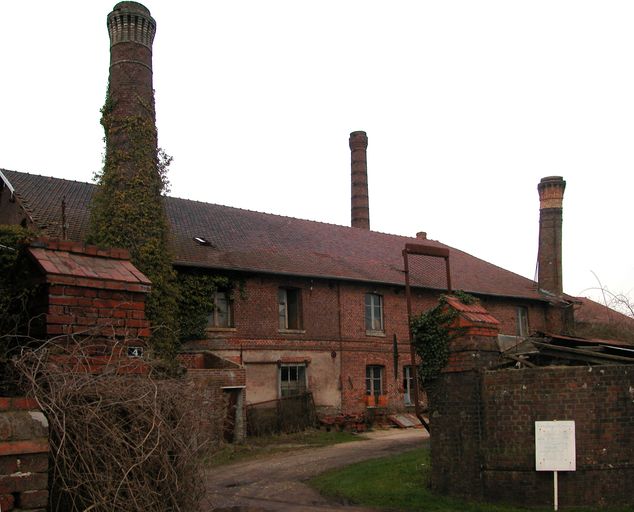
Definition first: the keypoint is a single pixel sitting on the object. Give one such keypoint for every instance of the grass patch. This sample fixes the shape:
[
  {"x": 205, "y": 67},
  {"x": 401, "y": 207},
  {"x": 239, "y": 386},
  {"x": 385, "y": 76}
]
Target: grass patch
[
  {"x": 401, "y": 483},
  {"x": 256, "y": 447}
]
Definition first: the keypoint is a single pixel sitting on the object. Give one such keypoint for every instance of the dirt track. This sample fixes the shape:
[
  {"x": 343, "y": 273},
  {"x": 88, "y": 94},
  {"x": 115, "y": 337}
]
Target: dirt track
[{"x": 277, "y": 482}]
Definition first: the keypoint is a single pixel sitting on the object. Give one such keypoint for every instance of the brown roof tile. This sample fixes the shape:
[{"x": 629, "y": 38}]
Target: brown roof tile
[
  {"x": 259, "y": 242},
  {"x": 63, "y": 263},
  {"x": 473, "y": 312}
]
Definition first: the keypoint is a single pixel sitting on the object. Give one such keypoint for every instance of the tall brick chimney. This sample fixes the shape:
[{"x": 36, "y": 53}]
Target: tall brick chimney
[
  {"x": 551, "y": 196},
  {"x": 360, "y": 214},
  {"x": 131, "y": 30}
]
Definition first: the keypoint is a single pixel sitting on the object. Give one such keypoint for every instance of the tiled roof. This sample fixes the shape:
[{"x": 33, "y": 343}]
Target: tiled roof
[
  {"x": 592, "y": 312},
  {"x": 63, "y": 262},
  {"x": 472, "y": 312},
  {"x": 259, "y": 242}
]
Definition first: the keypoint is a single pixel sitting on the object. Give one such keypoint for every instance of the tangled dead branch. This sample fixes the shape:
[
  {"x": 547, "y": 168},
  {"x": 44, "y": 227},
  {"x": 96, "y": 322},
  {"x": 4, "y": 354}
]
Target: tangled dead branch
[{"x": 120, "y": 440}]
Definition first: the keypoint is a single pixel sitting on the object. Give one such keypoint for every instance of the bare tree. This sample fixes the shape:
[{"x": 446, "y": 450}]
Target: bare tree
[{"x": 120, "y": 439}]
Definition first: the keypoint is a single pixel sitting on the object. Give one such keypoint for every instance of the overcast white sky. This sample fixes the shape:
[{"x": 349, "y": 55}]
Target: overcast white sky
[{"x": 467, "y": 105}]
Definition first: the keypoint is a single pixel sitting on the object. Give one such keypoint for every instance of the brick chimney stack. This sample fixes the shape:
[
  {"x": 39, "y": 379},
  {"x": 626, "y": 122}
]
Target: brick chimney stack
[
  {"x": 551, "y": 196},
  {"x": 131, "y": 30},
  {"x": 360, "y": 214}
]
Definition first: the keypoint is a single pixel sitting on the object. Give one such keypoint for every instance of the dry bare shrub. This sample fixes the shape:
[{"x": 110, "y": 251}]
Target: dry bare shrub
[{"x": 119, "y": 440}]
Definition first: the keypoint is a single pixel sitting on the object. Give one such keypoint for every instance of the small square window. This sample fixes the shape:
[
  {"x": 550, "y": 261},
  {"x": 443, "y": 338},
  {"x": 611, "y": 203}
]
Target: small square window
[
  {"x": 289, "y": 308},
  {"x": 292, "y": 379},
  {"x": 373, "y": 312}
]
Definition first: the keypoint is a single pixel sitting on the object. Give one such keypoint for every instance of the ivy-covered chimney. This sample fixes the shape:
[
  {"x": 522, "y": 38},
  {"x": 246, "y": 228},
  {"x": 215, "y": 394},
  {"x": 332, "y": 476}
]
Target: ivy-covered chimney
[{"x": 127, "y": 209}]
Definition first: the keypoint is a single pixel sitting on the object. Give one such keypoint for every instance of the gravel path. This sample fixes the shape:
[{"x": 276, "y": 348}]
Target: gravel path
[{"x": 277, "y": 482}]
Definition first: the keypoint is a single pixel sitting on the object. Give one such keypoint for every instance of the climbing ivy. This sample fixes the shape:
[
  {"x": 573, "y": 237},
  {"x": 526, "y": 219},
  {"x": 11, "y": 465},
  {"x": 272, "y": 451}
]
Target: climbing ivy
[
  {"x": 127, "y": 211},
  {"x": 431, "y": 333},
  {"x": 196, "y": 300},
  {"x": 18, "y": 290}
]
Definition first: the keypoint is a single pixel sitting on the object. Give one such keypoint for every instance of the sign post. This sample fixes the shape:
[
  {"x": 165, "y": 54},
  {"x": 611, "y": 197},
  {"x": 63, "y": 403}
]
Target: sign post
[{"x": 555, "y": 449}]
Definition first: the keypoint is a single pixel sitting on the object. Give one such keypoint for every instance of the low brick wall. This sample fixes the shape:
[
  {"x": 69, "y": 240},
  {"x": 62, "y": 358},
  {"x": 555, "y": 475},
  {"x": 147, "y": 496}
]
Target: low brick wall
[
  {"x": 483, "y": 434},
  {"x": 23, "y": 456}
]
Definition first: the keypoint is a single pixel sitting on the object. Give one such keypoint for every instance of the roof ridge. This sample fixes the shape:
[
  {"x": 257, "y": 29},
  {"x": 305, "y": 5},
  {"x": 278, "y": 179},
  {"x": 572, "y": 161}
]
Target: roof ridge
[
  {"x": 274, "y": 243},
  {"x": 238, "y": 208},
  {"x": 52, "y": 177}
]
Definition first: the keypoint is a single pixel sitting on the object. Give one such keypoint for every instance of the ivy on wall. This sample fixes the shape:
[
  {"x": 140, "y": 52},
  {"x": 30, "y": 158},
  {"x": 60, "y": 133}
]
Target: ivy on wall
[
  {"x": 19, "y": 295},
  {"x": 127, "y": 211},
  {"x": 196, "y": 300},
  {"x": 431, "y": 333},
  {"x": 17, "y": 289}
]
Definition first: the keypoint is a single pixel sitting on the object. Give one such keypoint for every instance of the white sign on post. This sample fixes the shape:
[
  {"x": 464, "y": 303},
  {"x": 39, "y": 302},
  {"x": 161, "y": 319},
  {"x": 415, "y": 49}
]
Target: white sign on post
[
  {"x": 555, "y": 446},
  {"x": 555, "y": 449}
]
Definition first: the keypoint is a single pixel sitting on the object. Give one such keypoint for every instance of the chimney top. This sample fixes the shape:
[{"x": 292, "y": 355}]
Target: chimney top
[
  {"x": 422, "y": 235},
  {"x": 131, "y": 22},
  {"x": 551, "y": 192},
  {"x": 132, "y": 7},
  {"x": 358, "y": 140}
]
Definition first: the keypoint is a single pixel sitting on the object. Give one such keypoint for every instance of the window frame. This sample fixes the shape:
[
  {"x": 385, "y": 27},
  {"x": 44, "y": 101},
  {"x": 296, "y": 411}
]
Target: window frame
[
  {"x": 301, "y": 388},
  {"x": 408, "y": 384},
  {"x": 213, "y": 321},
  {"x": 522, "y": 324},
  {"x": 371, "y": 378},
  {"x": 370, "y": 309},
  {"x": 286, "y": 306}
]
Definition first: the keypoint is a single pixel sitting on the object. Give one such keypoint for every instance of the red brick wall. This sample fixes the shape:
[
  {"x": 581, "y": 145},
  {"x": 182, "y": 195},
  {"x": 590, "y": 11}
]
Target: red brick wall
[
  {"x": 23, "y": 456},
  {"x": 353, "y": 385},
  {"x": 333, "y": 310},
  {"x": 334, "y": 321},
  {"x": 207, "y": 386},
  {"x": 77, "y": 309},
  {"x": 540, "y": 317},
  {"x": 256, "y": 315},
  {"x": 483, "y": 434},
  {"x": 77, "y": 304}
]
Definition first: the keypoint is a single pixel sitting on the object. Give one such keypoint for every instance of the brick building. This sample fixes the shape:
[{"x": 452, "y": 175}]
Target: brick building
[
  {"x": 485, "y": 405},
  {"x": 323, "y": 306}
]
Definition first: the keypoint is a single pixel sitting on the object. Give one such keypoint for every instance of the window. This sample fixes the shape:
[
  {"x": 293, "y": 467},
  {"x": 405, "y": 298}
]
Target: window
[
  {"x": 374, "y": 380},
  {"x": 408, "y": 385},
  {"x": 522, "y": 321},
  {"x": 221, "y": 314},
  {"x": 373, "y": 312},
  {"x": 292, "y": 379},
  {"x": 289, "y": 307}
]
